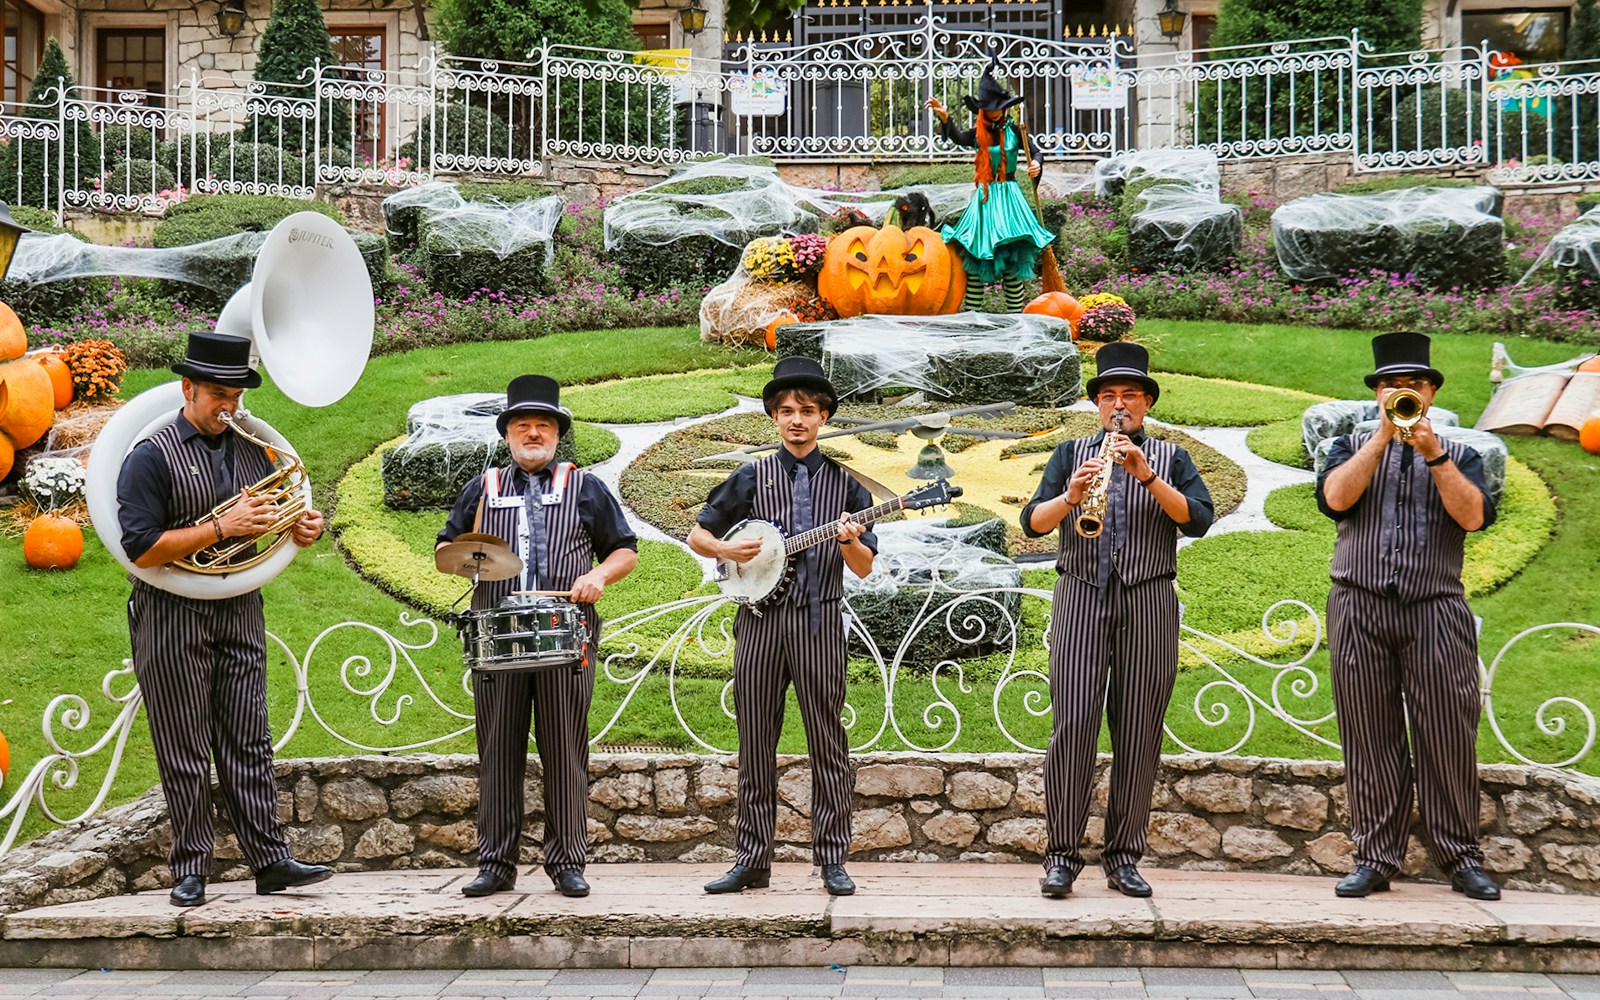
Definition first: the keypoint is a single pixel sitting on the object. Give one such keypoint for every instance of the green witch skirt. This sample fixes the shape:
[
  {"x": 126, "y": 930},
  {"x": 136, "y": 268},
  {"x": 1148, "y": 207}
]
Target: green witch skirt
[{"x": 999, "y": 237}]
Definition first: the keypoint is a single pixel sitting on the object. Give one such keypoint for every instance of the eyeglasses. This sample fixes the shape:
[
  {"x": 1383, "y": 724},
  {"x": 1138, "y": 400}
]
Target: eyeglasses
[
  {"x": 1404, "y": 382},
  {"x": 1113, "y": 398}
]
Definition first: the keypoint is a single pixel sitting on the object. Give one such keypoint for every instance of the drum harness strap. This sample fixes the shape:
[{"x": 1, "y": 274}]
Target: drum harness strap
[{"x": 559, "y": 478}]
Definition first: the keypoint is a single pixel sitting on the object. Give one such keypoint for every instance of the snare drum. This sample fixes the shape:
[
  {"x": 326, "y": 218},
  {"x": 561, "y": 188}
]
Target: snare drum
[{"x": 525, "y": 634}]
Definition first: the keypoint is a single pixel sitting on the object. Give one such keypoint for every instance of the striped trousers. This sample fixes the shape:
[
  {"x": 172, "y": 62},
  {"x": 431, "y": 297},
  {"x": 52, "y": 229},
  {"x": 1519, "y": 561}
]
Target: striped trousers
[
  {"x": 1392, "y": 659},
  {"x": 202, "y": 670},
  {"x": 785, "y": 646},
  {"x": 1115, "y": 647},
  {"x": 557, "y": 703}
]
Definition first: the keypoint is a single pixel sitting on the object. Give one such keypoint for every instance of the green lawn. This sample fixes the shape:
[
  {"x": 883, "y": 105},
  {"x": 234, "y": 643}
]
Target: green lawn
[{"x": 65, "y": 630}]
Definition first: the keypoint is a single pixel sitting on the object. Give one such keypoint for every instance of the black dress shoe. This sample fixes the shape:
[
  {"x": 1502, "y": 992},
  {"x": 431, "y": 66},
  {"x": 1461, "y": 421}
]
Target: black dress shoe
[
  {"x": 836, "y": 881},
  {"x": 1127, "y": 880},
  {"x": 1057, "y": 882},
  {"x": 1474, "y": 882},
  {"x": 740, "y": 878},
  {"x": 1364, "y": 881},
  {"x": 289, "y": 874},
  {"x": 488, "y": 883},
  {"x": 569, "y": 881},
  {"x": 189, "y": 891}
]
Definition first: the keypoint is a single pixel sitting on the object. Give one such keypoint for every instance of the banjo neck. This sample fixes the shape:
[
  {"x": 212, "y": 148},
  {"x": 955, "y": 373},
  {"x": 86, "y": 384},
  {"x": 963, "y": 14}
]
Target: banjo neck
[{"x": 823, "y": 532}]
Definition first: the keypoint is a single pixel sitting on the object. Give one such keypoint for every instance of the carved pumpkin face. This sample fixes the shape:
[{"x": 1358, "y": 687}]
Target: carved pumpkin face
[{"x": 904, "y": 272}]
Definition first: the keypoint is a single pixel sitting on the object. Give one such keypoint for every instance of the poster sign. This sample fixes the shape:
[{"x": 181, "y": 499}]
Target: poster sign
[
  {"x": 758, "y": 95},
  {"x": 1095, "y": 88},
  {"x": 673, "y": 66}
]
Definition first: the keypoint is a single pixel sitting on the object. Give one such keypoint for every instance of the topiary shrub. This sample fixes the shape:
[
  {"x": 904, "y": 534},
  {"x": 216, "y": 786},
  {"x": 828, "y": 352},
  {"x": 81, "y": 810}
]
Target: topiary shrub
[
  {"x": 29, "y": 165},
  {"x": 459, "y": 258},
  {"x": 123, "y": 142},
  {"x": 54, "y": 300},
  {"x": 459, "y": 130},
  {"x": 1175, "y": 227},
  {"x": 295, "y": 40},
  {"x": 138, "y": 177}
]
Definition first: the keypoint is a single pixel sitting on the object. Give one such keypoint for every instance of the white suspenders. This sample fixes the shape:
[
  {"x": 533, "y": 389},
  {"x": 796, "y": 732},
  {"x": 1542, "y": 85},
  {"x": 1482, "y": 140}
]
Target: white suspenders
[{"x": 558, "y": 490}]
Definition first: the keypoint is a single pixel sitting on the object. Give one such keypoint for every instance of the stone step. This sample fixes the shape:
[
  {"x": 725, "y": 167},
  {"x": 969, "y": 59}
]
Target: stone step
[{"x": 656, "y": 915}]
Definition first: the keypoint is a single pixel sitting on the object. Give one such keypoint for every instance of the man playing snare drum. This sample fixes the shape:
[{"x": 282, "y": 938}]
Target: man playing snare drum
[{"x": 560, "y": 521}]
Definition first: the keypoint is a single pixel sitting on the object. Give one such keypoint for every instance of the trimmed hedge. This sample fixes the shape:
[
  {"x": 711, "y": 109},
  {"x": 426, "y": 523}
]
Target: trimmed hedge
[
  {"x": 54, "y": 300},
  {"x": 137, "y": 177},
  {"x": 431, "y": 476}
]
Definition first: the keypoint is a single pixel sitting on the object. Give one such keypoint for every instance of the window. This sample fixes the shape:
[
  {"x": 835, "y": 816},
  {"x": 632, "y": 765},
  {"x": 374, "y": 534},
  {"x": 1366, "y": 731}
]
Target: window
[
  {"x": 133, "y": 59},
  {"x": 1533, "y": 36},
  {"x": 653, "y": 36},
  {"x": 1201, "y": 26},
  {"x": 24, "y": 28},
  {"x": 363, "y": 48}
]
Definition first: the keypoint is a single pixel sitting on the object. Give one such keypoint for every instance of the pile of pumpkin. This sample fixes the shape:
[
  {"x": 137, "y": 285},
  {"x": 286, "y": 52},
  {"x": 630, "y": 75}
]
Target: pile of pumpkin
[
  {"x": 34, "y": 387},
  {"x": 879, "y": 270}
]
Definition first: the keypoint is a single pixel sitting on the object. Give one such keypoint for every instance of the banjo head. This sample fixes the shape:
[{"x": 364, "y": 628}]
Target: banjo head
[{"x": 752, "y": 581}]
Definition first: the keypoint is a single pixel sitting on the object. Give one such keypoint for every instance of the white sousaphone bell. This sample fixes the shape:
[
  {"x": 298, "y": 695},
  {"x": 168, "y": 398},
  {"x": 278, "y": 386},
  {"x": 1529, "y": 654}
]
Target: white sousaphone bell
[{"x": 308, "y": 311}]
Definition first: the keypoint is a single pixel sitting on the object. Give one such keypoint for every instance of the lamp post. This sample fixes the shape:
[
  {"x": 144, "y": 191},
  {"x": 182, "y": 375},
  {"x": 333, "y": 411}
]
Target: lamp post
[
  {"x": 1172, "y": 19},
  {"x": 692, "y": 18},
  {"x": 230, "y": 17},
  {"x": 10, "y": 232}
]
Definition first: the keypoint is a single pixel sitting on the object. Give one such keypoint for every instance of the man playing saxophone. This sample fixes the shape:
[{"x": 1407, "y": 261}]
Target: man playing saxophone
[
  {"x": 202, "y": 664},
  {"x": 1114, "y": 621}
]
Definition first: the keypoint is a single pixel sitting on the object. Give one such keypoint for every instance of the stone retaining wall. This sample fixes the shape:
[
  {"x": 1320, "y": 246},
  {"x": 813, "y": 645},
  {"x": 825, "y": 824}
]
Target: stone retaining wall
[{"x": 1540, "y": 825}]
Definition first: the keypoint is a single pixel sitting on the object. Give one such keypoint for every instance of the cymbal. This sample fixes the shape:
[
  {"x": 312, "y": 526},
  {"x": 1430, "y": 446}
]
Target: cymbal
[{"x": 478, "y": 555}]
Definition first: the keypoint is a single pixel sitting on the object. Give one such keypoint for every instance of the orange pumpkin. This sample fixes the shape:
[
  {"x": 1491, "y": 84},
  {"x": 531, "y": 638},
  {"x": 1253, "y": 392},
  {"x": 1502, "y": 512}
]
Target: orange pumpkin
[
  {"x": 13, "y": 338},
  {"x": 902, "y": 272},
  {"x": 782, "y": 319},
  {"x": 1590, "y": 364},
  {"x": 27, "y": 396},
  {"x": 5, "y": 757},
  {"x": 60, "y": 377},
  {"x": 1060, "y": 305},
  {"x": 1589, "y": 435},
  {"x": 52, "y": 542}
]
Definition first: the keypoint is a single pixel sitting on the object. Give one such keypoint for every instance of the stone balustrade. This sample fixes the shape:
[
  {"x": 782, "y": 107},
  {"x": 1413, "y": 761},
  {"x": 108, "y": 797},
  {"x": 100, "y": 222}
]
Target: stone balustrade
[{"x": 1540, "y": 826}]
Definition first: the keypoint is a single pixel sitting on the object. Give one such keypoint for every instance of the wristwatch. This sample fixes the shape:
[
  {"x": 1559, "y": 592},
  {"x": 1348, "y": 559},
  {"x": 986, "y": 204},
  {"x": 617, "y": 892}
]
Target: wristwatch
[{"x": 1444, "y": 456}]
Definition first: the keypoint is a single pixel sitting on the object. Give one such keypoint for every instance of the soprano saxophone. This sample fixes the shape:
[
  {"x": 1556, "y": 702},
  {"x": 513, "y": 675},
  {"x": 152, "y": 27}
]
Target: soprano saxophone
[{"x": 1092, "y": 510}]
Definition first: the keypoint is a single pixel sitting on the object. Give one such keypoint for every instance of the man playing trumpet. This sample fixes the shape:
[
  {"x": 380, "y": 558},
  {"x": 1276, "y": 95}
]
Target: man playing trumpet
[
  {"x": 1402, "y": 641},
  {"x": 1114, "y": 619},
  {"x": 202, "y": 664}
]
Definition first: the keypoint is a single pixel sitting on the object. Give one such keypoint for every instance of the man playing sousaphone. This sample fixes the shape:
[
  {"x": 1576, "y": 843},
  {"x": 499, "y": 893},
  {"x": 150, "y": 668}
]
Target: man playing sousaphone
[
  {"x": 1402, "y": 643},
  {"x": 1124, "y": 498},
  {"x": 560, "y": 521},
  {"x": 202, "y": 664}
]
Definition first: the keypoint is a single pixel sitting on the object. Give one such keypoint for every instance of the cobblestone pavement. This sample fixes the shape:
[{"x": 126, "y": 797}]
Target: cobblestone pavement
[{"x": 861, "y": 981}]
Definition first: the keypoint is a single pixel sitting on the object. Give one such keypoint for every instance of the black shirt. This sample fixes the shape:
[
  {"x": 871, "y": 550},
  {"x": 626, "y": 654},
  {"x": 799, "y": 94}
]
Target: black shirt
[
  {"x": 598, "y": 511},
  {"x": 144, "y": 487},
  {"x": 730, "y": 502},
  {"x": 1183, "y": 477}
]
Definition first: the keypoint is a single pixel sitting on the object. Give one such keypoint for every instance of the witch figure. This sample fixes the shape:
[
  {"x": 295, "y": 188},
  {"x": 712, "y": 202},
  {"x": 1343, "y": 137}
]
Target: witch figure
[{"x": 998, "y": 236}]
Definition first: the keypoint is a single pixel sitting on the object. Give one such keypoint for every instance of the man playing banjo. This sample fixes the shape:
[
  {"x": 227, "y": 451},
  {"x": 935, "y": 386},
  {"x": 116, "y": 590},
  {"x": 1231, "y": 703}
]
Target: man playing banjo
[
  {"x": 560, "y": 521},
  {"x": 798, "y": 639}
]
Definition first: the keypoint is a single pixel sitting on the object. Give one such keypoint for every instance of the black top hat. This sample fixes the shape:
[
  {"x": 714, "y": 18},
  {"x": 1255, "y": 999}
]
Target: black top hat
[
  {"x": 1402, "y": 354},
  {"x": 220, "y": 359},
  {"x": 1122, "y": 361},
  {"x": 991, "y": 95},
  {"x": 534, "y": 394},
  {"x": 798, "y": 373}
]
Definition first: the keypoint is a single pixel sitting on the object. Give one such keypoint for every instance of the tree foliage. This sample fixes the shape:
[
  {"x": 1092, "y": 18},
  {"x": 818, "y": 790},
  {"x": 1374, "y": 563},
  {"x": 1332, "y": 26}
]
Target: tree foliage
[
  {"x": 1583, "y": 38},
  {"x": 296, "y": 40},
  {"x": 511, "y": 29}
]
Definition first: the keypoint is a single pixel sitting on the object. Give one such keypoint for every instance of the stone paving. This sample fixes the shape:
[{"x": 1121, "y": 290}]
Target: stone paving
[
  {"x": 650, "y": 916},
  {"x": 803, "y": 982}
]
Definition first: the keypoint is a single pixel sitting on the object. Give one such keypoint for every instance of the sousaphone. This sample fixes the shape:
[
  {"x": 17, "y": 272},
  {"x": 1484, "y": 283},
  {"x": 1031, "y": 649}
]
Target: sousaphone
[{"x": 308, "y": 312}]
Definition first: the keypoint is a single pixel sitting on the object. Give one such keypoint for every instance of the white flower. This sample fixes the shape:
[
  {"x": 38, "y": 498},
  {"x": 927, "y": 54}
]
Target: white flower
[{"x": 54, "y": 482}]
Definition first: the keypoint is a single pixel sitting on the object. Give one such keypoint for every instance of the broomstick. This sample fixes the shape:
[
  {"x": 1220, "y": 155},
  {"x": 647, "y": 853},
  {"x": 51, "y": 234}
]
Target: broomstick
[{"x": 1049, "y": 272}]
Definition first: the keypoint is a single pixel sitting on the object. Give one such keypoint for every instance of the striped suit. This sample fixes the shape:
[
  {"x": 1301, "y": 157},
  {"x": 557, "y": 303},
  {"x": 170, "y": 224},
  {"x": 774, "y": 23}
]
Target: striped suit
[
  {"x": 555, "y": 701},
  {"x": 785, "y": 645},
  {"x": 1403, "y": 647},
  {"x": 202, "y": 665},
  {"x": 1113, "y": 643}
]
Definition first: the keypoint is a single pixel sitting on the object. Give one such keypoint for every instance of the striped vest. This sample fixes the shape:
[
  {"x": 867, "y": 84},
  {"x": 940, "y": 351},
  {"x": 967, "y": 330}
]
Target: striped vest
[
  {"x": 774, "y": 501},
  {"x": 196, "y": 488},
  {"x": 571, "y": 550},
  {"x": 1373, "y": 550},
  {"x": 1150, "y": 538}
]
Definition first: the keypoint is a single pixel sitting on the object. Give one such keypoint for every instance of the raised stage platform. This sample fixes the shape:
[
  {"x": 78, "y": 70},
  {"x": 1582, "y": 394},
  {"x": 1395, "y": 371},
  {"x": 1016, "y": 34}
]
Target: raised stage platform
[{"x": 653, "y": 916}]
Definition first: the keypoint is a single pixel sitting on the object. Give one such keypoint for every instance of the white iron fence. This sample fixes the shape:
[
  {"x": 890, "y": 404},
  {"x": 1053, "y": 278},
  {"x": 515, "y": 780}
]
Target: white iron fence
[{"x": 855, "y": 99}]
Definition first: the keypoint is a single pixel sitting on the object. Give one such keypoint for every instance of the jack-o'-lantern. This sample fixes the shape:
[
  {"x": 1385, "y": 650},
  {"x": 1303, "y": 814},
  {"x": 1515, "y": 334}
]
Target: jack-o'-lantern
[{"x": 894, "y": 271}]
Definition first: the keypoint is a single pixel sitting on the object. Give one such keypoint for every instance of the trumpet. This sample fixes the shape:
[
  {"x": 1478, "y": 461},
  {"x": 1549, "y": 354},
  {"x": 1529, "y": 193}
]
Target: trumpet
[
  {"x": 284, "y": 487},
  {"x": 1404, "y": 408},
  {"x": 1092, "y": 511}
]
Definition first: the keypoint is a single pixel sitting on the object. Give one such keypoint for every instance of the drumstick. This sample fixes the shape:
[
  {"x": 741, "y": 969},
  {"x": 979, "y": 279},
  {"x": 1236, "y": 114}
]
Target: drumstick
[{"x": 542, "y": 593}]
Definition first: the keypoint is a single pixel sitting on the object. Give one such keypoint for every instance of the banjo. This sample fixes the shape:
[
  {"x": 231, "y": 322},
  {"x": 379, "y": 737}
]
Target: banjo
[{"x": 766, "y": 577}]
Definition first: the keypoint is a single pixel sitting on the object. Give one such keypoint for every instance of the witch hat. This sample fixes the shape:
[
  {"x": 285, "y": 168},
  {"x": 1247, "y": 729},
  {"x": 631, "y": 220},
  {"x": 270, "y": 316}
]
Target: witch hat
[{"x": 991, "y": 95}]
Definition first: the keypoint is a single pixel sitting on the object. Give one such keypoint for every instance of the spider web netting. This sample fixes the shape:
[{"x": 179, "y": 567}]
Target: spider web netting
[
  {"x": 964, "y": 357},
  {"x": 1575, "y": 247},
  {"x": 1196, "y": 167},
  {"x": 456, "y": 224},
  {"x": 1449, "y": 235},
  {"x": 44, "y": 258},
  {"x": 1182, "y": 227},
  {"x": 735, "y": 201}
]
